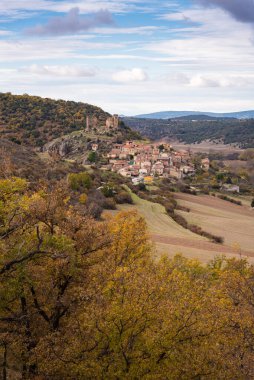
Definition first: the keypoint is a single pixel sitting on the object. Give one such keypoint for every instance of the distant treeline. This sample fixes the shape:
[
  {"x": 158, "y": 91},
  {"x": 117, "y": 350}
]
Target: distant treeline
[{"x": 230, "y": 131}]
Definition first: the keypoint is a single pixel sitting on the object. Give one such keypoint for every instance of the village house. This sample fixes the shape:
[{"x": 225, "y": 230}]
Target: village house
[
  {"x": 230, "y": 188},
  {"x": 205, "y": 164},
  {"x": 187, "y": 171},
  {"x": 158, "y": 169}
]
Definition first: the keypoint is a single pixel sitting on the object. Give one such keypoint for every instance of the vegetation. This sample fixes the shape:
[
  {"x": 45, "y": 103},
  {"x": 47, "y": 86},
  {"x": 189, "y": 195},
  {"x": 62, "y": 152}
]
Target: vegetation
[
  {"x": 239, "y": 132},
  {"x": 231, "y": 200},
  {"x": 81, "y": 294},
  {"x": 81, "y": 299},
  {"x": 92, "y": 157},
  {"x": 34, "y": 121},
  {"x": 79, "y": 181}
]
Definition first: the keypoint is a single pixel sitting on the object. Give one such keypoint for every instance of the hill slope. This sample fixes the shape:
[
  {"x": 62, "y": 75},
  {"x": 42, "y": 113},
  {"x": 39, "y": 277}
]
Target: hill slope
[
  {"x": 174, "y": 114},
  {"x": 34, "y": 121},
  {"x": 228, "y": 131}
]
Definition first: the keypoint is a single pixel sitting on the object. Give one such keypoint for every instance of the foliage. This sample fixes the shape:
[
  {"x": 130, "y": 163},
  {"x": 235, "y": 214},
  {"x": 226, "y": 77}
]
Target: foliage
[
  {"x": 79, "y": 181},
  {"x": 230, "y": 131},
  {"x": 123, "y": 197},
  {"x": 81, "y": 299},
  {"x": 231, "y": 200},
  {"x": 92, "y": 157},
  {"x": 35, "y": 121},
  {"x": 108, "y": 190},
  {"x": 83, "y": 198}
]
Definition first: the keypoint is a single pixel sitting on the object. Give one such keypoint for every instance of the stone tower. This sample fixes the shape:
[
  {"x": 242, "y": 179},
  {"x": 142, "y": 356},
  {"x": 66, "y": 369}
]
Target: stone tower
[
  {"x": 87, "y": 122},
  {"x": 116, "y": 121},
  {"x": 91, "y": 122},
  {"x": 112, "y": 122}
]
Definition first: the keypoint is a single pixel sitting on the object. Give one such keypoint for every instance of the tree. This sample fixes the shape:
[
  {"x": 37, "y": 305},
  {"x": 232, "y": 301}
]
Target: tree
[
  {"x": 93, "y": 157},
  {"x": 81, "y": 299},
  {"x": 80, "y": 181}
]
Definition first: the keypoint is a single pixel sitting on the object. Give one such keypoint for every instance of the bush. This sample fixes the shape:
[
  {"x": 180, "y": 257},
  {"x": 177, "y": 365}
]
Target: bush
[
  {"x": 83, "y": 198},
  {"x": 225, "y": 198},
  {"x": 94, "y": 210},
  {"x": 92, "y": 157},
  {"x": 123, "y": 197},
  {"x": 109, "y": 204},
  {"x": 180, "y": 220},
  {"x": 79, "y": 181},
  {"x": 142, "y": 187},
  {"x": 108, "y": 191}
]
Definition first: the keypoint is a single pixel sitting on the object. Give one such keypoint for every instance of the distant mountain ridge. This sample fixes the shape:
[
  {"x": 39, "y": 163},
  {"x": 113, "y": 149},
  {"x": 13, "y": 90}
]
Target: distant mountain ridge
[{"x": 176, "y": 114}]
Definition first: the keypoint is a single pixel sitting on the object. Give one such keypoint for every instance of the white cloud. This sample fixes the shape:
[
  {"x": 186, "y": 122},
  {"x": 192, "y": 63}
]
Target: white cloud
[
  {"x": 140, "y": 30},
  {"x": 50, "y": 48},
  {"x": 133, "y": 75},
  {"x": 213, "y": 41},
  {"x": 5, "y": 33},
  {"x": 20, "y": 8},
  {"x": 61, "y": 71}
]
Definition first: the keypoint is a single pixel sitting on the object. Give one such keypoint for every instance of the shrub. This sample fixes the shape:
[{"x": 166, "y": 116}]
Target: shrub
[
  {"x": 180, "y": 220},
  {"x": 109, "y": 204},
  {"x": 142, "y": 187},
  {"x": 94, "y": 210},
  {"x": 123, "y": 197},
  {"x": 108, "y": 191},
  {"x": 79, "y": 181},
  {"x": 225, "y": 198},
  {"x": 92, "y": 157},
  {"x": 83, "y": 198}
]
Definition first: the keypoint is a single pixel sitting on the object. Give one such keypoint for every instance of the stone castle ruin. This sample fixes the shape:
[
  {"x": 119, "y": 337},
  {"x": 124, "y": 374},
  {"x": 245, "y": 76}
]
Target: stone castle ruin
[{"x": 112, "y": 123}]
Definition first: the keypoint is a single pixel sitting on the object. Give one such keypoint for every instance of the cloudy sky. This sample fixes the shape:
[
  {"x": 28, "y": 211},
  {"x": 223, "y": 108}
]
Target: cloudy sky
[{"x": 131, "y": 56}]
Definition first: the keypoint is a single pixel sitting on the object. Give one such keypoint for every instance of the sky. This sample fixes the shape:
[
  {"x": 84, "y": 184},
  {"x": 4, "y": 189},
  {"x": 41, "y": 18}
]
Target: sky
[{"x": 131, "y": 56}]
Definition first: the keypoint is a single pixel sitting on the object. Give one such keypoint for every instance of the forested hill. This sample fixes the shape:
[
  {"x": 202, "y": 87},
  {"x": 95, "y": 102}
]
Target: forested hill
[
  {"x": 34, "y": 121},
  {"x": 230, "y": 131}
]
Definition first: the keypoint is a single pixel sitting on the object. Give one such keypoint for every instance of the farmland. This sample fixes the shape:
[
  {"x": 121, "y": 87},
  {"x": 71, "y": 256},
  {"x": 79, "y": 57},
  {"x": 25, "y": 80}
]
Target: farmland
[{"x": 234, "y": 223}]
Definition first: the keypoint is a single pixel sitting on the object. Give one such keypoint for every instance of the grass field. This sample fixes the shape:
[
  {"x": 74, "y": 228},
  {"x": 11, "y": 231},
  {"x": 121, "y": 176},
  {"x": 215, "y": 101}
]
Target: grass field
[{"x": 170, "y": 238}]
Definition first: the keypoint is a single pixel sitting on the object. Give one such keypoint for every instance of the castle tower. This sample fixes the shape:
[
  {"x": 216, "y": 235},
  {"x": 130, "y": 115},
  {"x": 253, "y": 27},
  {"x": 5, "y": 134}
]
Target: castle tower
[
  {"x": 87, "y": 122},
  {"x": 116, "y": 121}
]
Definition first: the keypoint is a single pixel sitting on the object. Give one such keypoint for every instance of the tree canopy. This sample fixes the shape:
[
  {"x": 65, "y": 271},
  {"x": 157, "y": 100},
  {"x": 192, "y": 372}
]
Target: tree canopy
[{"x": 86, "y": 299}]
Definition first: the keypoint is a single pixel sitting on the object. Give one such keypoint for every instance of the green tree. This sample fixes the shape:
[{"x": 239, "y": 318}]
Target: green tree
[
  {"x": 80, "y": 181},
  {"x": 93, "y": 157}
]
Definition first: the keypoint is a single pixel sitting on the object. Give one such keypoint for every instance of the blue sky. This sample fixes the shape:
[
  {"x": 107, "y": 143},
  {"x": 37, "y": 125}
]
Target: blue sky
[{"x": 131, "y": 57}]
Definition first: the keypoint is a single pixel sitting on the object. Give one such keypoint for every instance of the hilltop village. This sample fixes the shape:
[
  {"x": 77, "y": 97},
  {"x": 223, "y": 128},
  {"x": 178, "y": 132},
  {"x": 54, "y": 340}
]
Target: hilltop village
[{"x": 144, "y": 162}]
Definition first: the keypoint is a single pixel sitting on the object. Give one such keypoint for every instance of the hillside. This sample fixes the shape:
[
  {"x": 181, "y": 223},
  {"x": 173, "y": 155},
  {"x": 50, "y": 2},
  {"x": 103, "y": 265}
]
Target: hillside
[
  {"x": 35, "y": 121},
  {"x": 23, "y": 162},
  {"x": 229, "y": 131},
  {"x": 175, "y": 114}
]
